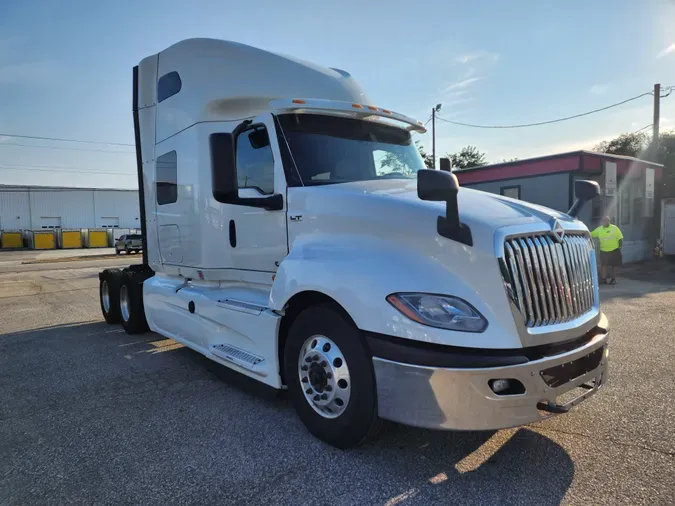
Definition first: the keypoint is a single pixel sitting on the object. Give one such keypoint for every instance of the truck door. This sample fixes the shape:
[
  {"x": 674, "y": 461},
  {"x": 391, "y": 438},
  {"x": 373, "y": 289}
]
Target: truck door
[{"x": 258, "y": 236}]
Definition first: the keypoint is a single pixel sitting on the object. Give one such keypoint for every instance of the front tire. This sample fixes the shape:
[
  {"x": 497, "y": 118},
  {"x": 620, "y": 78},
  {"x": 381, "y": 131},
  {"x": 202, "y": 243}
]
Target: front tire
[
  {"x": 131, "y": 305},
  {"x": 109, "y": 294},
  {"x": 330, "y": 377}
]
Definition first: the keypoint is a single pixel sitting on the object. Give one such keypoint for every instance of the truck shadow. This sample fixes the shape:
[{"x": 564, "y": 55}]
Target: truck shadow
[
  {"x": 69, "y": 380},
  {"x": 516, "y": 466},
  {"x": 419, "y": 466}
]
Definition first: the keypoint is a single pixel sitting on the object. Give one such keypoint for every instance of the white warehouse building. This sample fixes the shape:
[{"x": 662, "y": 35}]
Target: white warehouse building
[{"x": 43, "y": 207}]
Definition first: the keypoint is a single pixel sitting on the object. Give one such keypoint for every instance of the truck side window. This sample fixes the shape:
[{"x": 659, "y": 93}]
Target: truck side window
[
  {"x": 255, "y": 164},
  {"x": 166, "y": 168},
  {"x": 168, "y": 85}
]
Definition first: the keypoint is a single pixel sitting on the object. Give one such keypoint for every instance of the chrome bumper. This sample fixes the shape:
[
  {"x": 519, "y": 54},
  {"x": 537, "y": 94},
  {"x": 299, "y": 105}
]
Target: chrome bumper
[{"x": 461, "y": 399}]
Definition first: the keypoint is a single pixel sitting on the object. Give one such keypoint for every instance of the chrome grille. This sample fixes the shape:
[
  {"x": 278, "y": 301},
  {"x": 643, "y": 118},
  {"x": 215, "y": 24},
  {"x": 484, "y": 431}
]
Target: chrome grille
[{"x": 549, "y": 281}]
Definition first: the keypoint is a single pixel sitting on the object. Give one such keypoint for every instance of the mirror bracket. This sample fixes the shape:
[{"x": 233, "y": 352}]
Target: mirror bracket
[{"x": 442, "y": 186}]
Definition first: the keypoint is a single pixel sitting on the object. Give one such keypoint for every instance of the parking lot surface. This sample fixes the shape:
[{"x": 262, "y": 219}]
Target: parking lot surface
[{"x": 91, "y": 415}]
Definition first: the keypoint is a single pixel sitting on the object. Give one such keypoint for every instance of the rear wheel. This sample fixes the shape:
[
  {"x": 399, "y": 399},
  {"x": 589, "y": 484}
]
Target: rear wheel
[
  {"x": 109, "y": 294},
  {"x": 131, "y": 305},
  {"x": 330, "y": 377}
]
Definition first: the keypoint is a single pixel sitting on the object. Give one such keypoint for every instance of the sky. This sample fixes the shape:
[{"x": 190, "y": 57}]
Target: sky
[{"x": 66, "y": 67}]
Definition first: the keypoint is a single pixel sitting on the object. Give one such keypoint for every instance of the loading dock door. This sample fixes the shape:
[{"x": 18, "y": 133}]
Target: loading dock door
[
  {"x": 50, "y": 222},
  {"x": 669, "y": 230},
  {"x": 110, "y": 221}
]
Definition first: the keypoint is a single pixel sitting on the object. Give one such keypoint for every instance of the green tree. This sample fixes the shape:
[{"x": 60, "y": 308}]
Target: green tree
[
  {"x": 428, "y": 159},
  {"x": 467, "y": 157},
  {"x": 638, "y": 145},
  {"x": 665, "y": 154},
  {"x": 628, "y": 144}
]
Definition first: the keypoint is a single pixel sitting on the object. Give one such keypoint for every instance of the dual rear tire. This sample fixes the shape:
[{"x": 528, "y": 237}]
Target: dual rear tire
[{"x": 121, "y": 297}]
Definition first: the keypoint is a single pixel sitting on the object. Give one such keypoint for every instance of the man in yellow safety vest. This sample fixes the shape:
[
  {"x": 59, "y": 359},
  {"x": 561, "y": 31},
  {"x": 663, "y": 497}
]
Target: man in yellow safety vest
[{"x": 611, "y": 240}]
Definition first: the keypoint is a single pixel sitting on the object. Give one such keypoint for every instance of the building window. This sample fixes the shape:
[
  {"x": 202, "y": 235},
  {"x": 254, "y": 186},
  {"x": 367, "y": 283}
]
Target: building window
[
  {"x": 168, "y": 85},
  {"x": 510, "y": 191},
  {"x": 255, "y": 164},
  {"x": 625, "y": 208},
  {"x": 166, "y": 173}
]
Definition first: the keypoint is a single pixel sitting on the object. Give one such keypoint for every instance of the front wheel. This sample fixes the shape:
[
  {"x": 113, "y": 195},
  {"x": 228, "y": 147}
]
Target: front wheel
[{"x": 330, "y": 377}]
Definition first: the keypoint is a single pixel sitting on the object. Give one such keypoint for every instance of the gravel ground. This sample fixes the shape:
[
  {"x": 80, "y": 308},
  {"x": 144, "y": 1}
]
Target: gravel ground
[{"x": 91, "y": 415}]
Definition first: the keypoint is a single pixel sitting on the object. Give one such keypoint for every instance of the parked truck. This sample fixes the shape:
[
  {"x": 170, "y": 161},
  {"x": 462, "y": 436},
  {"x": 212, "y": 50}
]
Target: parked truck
[{"x": 292, "y": 233}]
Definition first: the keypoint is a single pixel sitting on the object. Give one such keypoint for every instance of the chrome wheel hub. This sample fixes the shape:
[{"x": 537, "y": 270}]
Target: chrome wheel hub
[
  {"x": 324, "y": 376},
  {"x": 105, "y": 296},
  {"x": 125, "y": 303}
]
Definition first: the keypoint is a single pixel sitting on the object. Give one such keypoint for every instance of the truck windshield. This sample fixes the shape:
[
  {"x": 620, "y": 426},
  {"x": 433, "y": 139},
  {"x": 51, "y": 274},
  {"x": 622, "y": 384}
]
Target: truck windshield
[{"x": 329, "y": 149}]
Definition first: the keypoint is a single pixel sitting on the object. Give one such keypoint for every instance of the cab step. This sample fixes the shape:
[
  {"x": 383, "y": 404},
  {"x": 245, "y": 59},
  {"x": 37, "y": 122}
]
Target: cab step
[{"x": 239, "y": 357}]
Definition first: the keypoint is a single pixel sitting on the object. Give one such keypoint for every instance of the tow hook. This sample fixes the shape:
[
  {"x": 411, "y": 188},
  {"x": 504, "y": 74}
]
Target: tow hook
[
  {"x": 557, "y": 409},
  {"x": 560, "y": 409}
]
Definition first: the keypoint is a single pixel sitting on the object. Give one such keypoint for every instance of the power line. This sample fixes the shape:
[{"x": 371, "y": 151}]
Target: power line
[
  {"x": 546, "y": 122},
  {"x": 64, "y": 148},
  {"x": 425, "y": 124},
  {"x": 58, "y": 169},
  {"x": 64, "y": 140},
  {"x": 643, "y": 128}
]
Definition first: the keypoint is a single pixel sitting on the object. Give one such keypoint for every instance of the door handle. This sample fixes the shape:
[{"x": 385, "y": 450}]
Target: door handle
[{"x": 233, "y": 234}]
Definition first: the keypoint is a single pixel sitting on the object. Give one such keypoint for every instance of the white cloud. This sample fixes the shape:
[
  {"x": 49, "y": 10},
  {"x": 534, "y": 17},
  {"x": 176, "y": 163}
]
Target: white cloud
[
  {"x": 471, "y": 72},
  {"x": 27, "y": 73},
  {"x": 464, "y": 83},
  {"x": 599, "y": 89},
  {"x": 666, "y": 51},
  {"x": 473, "y": 56}
]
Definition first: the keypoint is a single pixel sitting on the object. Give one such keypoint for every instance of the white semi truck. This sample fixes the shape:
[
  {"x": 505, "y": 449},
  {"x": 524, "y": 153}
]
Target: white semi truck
[{"x": 292, "y": 233}]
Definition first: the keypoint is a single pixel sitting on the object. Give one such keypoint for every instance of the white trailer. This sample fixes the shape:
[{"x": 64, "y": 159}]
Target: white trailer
[{"x": 292, "y": 233}]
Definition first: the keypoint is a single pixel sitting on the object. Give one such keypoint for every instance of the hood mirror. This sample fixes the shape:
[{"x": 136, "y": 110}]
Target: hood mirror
[
  {"x": 583, "y": 191},
  {"x": 442, "y": 186}
]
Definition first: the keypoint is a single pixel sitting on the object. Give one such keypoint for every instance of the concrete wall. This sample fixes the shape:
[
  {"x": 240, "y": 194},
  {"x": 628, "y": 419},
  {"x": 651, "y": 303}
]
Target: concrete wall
[
  {"x": 14, "y": 210},
  {"x": 34, "y": 208},
  {"x": 117, "y": 204},
  {"x": 73, "y": 209}
]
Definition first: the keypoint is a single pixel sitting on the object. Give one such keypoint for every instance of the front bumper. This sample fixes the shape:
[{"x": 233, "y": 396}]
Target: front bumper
[{"x": 461, "y": 398}]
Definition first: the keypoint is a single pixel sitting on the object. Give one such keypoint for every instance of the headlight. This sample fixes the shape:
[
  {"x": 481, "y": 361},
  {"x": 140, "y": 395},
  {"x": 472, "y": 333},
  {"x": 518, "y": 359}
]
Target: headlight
[{"x": 442, "y": 311}]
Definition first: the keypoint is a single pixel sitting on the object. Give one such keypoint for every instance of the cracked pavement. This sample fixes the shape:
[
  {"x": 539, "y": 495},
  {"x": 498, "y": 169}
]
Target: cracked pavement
[{"x": 89, "y": 414}]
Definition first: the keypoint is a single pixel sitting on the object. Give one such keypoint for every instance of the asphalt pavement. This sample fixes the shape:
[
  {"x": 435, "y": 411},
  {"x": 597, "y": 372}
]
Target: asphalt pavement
[{"x": 91, "y": 415}]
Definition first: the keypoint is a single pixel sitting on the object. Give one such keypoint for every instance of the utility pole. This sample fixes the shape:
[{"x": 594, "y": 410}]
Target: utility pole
[
  {"x": 433, "y": 133},
  {"x": 433, "y": 137},
  {"x": 655, "y": 124}
]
